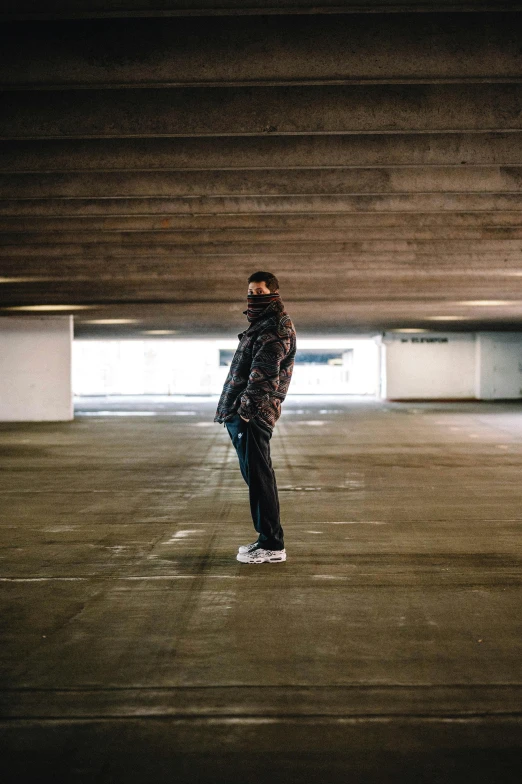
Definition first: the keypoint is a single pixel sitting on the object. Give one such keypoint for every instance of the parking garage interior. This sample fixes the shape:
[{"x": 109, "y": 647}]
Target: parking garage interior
[{"x": 153, "y": 154}]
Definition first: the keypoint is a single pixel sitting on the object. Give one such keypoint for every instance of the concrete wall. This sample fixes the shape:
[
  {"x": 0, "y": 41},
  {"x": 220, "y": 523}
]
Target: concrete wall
[
  {"x": 430, "y": 365},
  {"x": 35, "y": 369},
  {"x": 482, "y": 365},
  {"x": 498, "y": 365}
]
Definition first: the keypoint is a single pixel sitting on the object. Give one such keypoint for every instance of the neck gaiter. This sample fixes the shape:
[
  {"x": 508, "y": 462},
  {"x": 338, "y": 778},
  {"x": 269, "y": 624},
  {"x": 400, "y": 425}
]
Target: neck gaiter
[{"x": 256, "y": 304}]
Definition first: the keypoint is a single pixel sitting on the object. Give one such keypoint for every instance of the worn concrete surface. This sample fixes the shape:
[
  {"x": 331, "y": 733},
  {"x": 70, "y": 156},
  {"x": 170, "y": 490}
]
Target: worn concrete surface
[
  {"x": 144, "y": 141},
  {"x": 268, "y": 152},
  {"x": 386, "y": 649},
  {"x": 276, "y": 50},
  {"x": 57, "y": 9},
  {"x": 247, "y": 111}
]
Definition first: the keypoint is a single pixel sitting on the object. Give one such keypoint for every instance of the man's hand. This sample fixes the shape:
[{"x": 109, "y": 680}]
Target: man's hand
[{"x": 242, "y": 417}]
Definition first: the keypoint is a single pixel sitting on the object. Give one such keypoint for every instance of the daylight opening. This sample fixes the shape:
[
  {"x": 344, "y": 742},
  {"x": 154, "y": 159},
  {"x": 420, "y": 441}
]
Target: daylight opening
[{"x": 199, "y": 367}]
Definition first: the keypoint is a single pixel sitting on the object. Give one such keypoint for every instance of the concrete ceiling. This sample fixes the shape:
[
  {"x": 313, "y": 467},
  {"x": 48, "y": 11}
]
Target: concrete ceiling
[{"x": 153, "y": 155}]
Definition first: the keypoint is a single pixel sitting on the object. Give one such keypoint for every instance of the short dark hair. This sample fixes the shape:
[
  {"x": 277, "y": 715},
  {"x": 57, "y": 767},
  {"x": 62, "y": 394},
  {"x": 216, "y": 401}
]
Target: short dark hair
[{"x": 271, "y": 281}]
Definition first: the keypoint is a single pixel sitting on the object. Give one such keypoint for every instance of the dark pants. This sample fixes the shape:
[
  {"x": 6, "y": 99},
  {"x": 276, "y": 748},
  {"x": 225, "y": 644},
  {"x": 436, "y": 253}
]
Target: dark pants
[{"x": 252, "y": 443}]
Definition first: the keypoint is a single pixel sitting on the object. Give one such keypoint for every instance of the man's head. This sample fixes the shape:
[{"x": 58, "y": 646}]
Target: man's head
[{"x": 262, "y": 283}]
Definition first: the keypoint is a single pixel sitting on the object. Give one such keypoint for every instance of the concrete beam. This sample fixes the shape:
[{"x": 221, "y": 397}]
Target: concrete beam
[
  {"x": 227, "y": 271},
  {"x": 262, "y": 183},
  {"x": 261, "y": 111},
  {"x": 83, "y": 270},
  {"x": 106, "y": 9},
  {"x": 235, "y": 274},
  {"x": 381, "y": 204},
  {"x": 225, "y": 317},
  {"x": 151, "y": 246},
  {"x": 487, "y": 225},
  {"x": 256, "y": 206},
  {"x": 455, "y": 291},
  {"x": 151, "y": 272},
  {"x": 453, "y": 284},
  {"x": 268, "y": 152},
  {"x": 365, "y": 305},
  {"x": 267, "y": 50},
  {"x": 336, "y": 320},
  {"x": 350, "y": 286},
  {"x": 220, "y": 321},
  {"x": 374, "y": 312},
  {"x": 278, "y": 236},
  {"x": 224, "y": 324}
]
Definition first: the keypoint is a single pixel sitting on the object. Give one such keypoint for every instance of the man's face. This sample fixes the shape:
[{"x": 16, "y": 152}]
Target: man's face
[{"x": 258, "y": 287}]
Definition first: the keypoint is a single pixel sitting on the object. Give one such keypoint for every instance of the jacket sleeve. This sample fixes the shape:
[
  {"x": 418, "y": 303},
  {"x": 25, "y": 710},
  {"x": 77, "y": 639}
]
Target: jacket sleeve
[{"x": 263, "y": 380}]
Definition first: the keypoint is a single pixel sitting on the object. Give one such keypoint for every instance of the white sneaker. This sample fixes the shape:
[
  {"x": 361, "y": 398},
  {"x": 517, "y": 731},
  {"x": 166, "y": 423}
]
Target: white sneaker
[
  {"x": 259, "y": 555},
  {"x": 245, "y": 548}
]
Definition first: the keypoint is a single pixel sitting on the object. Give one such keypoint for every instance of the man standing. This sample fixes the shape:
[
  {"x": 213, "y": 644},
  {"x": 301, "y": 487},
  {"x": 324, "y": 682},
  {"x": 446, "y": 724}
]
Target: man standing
[{"x": 250, "y": 405}]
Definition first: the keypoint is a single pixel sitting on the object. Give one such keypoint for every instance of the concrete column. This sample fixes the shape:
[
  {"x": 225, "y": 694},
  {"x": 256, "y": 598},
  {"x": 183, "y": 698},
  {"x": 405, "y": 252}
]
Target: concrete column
[
  {"x": 430, "y": 366},
  {"x": 498, "y": 365},
  {"x": 35, "y": 369}
]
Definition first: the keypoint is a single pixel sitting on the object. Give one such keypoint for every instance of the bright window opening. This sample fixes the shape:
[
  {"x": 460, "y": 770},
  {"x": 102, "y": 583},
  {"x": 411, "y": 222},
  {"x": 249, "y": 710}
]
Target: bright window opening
[{"x": 199, "y": 367}]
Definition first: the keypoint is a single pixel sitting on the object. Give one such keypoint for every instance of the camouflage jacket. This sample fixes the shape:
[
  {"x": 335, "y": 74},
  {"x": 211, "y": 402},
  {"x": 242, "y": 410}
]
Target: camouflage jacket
[{"x": 261, "y": 369}]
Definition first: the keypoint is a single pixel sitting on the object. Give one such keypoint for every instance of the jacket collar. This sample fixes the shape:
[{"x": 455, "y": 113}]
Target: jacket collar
[{"x": 269, "y": 316}]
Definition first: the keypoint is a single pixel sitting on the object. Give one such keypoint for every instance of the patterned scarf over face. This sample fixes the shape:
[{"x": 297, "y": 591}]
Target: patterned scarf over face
[{"x": 256, "y": 304}]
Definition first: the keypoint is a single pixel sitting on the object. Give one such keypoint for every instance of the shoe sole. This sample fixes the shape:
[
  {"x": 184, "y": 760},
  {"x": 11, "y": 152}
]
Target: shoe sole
[{"x": 243, "y": 558}]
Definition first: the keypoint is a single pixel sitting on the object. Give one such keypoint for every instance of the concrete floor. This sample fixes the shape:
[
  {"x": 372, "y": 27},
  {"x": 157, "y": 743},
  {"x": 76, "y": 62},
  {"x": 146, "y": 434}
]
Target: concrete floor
[{"x": 386, "y": 649}]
